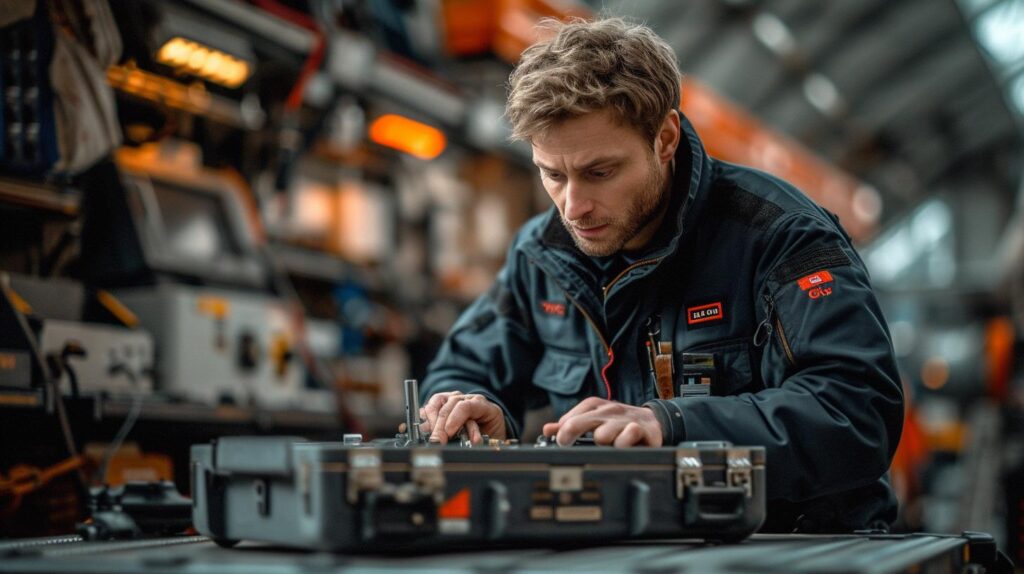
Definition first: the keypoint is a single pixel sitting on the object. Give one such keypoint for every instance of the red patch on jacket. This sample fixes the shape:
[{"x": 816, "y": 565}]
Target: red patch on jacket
[
  {"x": 704, "y": 313},
  {"x": 817, "y": 285},
  {"x": 552, "y": 308}
]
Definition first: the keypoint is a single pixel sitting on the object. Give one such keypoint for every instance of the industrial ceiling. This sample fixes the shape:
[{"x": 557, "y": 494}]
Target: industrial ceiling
[{"x": 899, "y": 93}]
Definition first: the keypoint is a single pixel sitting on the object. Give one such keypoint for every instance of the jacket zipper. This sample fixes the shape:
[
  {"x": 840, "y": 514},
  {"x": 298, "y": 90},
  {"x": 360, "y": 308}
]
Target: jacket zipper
[
  {"x": 641, "y": 263},
  {"x": 607, "y": 348},
  {"x": 604, "y": 294},
  {"x": 604, "y": 342},
  {"x": 600, "y": 335},
  {"x": 764, "y": 330}
]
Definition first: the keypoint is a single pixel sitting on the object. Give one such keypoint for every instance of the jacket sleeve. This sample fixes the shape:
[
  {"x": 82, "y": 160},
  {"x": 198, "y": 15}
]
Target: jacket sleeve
[
  {"x": 490, "y": 350},
  {"x": 831, "y": 410}
]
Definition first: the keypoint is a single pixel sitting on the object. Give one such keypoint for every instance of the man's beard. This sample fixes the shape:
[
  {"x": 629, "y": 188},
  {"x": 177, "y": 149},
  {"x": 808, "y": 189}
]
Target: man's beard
[{"x": 645, "y": 208}]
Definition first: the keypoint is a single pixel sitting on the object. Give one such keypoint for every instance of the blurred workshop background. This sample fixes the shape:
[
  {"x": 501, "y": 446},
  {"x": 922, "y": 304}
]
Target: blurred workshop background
[{"x": 259, "y": 217}]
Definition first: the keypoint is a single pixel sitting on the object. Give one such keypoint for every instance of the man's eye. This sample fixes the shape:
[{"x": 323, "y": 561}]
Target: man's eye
[
  {"x": 552, "y": 175},
  {"x": 600, "y": 173}
]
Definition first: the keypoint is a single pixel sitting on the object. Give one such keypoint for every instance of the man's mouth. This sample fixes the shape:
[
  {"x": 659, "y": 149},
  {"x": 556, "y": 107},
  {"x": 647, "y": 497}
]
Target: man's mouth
[{"x": 590, "y": 232}]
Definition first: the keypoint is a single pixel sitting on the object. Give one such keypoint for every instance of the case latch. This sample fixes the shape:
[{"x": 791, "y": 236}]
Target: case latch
[
  {"x": 689, "y": 471},
  {"x": 739, "y": 470}
]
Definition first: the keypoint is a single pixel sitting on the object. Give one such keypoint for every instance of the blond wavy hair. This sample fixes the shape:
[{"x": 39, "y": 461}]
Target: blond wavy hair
[{"x": 589, "y": 66}]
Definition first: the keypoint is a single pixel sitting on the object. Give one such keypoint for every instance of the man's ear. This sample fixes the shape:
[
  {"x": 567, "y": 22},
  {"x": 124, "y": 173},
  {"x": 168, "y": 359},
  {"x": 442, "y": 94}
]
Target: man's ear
[{"x": 667, "y": 140}]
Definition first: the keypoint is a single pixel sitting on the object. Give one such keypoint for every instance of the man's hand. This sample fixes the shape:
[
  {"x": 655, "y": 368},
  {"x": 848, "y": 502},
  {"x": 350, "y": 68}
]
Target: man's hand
[
  {"x": 446, "y": 413},
  {"x": 613, "y": 424}
]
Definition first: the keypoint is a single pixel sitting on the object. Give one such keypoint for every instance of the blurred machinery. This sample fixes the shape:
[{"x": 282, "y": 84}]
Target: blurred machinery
[
  {"x": 190, "y": 221},
  {"x": 86, "y": 342},
  {"x": 99, "y": 359},
  {"x": 218, "y": 346},
  {"x": 223, "y": 334}
]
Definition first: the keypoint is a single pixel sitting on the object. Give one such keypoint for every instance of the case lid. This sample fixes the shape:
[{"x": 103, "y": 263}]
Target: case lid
[{"x": 260, "y": 455}]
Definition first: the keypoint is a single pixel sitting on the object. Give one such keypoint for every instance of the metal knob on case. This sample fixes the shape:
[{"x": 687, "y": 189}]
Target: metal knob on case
[{"x": 412, "y": 410}]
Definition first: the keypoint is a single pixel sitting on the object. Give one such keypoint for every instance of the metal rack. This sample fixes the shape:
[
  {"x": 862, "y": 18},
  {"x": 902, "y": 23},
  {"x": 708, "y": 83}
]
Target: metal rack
[
  {"x": 43, "y": 196},
  {"x": 22, "y": 398},
  {"x": 99, "y": 408}
]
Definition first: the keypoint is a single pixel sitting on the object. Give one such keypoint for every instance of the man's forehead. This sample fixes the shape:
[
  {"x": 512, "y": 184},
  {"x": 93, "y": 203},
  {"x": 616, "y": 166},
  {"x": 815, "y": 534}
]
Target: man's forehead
[{"x": 586, "y": 139}]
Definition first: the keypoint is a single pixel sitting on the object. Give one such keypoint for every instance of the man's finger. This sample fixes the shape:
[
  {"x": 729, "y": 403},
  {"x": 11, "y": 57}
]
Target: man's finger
[
  {"x": 449, "y": 405},
  {"x": 475, "y": 436},
  {"x": 440, "y": 426},
  {"x": 437, "y": 400},
  {"x": 433, "y": 407},
  {"x": 424, "y": 421},
  {"x": 437, "y": 433},
  {"x": 577, "y": 426},
  {"x": 608, "y": 430},
  {"x": 586, "y": 405},
  {"x": 632, "y": 435},
  {"x": 464, "y": 410}
]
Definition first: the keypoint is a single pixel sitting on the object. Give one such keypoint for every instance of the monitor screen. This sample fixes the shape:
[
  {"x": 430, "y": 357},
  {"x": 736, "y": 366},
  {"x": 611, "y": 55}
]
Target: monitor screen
[{"x": 195, "y": 223}]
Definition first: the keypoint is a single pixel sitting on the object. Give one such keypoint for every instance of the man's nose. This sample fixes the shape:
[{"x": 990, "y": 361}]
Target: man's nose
[{"x": 577, "y": 204}]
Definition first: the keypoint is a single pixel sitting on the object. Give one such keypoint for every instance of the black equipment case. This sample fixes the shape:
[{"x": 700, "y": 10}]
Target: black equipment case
[{"x": 337, "y": 496}]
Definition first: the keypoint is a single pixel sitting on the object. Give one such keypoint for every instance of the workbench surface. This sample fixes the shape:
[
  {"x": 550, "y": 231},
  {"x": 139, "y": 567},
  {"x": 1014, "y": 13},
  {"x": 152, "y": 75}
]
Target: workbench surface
[{"x": 761, "y": 553}]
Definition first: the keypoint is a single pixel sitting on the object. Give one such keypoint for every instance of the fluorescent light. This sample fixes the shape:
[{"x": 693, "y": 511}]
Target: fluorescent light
[
  {"x": 1000, "y": 30},
  {"x": 187, "y": 56},
  {"x": 774, "y": 34},
  {"x": 822, "y": 93}
]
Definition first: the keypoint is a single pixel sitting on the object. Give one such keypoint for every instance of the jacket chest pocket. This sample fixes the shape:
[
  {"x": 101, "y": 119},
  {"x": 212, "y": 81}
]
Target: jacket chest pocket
[
  {"x": 562, "y": 375},
  {"x": 733, "y": 371}
]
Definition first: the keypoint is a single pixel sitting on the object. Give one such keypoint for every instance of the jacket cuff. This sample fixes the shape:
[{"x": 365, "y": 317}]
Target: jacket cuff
[{"x": 670, "y": 417}]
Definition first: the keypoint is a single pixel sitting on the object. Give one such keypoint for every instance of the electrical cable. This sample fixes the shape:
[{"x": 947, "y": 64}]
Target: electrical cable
[
  {"x": 292, "y": 140},
  {"x": 73, "y": 380},
  {"x": 63, "y": 363},
  {"x": 24, "y": 480},
  {"x": 122, "y": 433},
  {"x": 62, "y": 418},
  {"x": 316, "y": 55},
  {"x": 50, "y": 383}
]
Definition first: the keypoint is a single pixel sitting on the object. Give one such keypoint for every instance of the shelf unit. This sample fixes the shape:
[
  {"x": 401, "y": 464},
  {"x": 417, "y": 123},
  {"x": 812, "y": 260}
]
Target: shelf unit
[{"x": 43, "y": 196}]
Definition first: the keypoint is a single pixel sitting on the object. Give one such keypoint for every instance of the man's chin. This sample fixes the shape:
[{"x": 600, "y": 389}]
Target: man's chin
[{"x": 596, "y": 248}]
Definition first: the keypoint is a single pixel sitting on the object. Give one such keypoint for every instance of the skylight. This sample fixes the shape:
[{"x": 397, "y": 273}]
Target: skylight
[{"x": 1000, "y": 30}]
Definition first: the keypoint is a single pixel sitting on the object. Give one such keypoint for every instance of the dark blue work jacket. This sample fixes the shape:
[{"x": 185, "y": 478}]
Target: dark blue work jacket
[{"x": 753, "y": 273}]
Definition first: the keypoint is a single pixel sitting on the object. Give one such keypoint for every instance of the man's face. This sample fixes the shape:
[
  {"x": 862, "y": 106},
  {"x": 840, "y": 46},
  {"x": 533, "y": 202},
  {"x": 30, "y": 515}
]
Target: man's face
[{"x": 608, "y": 183}]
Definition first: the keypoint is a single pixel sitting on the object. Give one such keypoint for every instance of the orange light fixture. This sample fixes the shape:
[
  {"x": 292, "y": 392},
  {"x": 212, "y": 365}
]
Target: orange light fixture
[
  {"x": 409, "y": 136},
  {"x": 194, "y": 58}
]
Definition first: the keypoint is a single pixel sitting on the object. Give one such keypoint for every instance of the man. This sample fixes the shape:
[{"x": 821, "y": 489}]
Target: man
[{"x": 658, "y": 261}]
